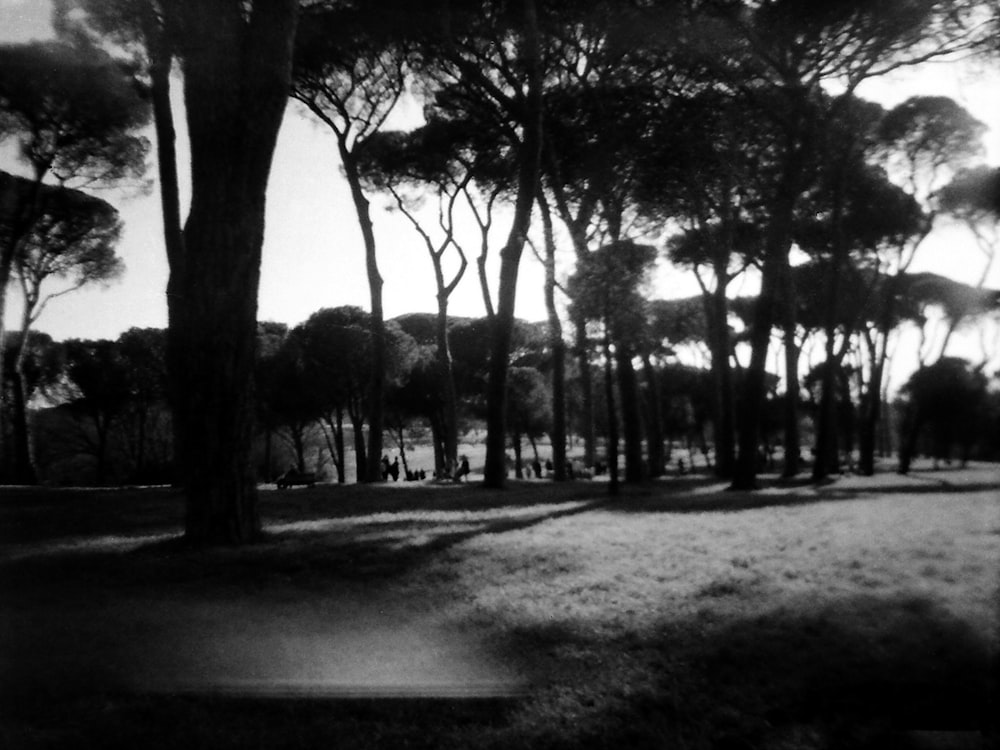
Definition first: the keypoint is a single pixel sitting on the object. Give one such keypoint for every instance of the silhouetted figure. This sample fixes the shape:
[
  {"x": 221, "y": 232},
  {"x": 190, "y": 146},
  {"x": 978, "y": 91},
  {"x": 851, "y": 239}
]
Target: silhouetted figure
[
  {"x": 463, "y": 469},
  {"x": 394, "y": 469},
  {"x": 548, "y": 464},
  {"x": 385, "y": 468},
  {"x": 422, "y": 474},
  {"x": 681, "y": 468},
  {"x": 536, "y": 466}
]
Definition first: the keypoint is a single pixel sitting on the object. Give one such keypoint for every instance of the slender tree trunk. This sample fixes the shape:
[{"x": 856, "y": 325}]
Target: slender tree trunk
[
  {"x": 24, "y": 214},
  {"x": 631, "y": 420},
  {"x": 722, "y": 374},
  {"x": 557, "y": 347},
  {"x": 502, "y": 329},
  {"x": 582, "y": 349},
  {"x": 515, "y": 441},
  {"x": 448, "y": 375},
  {"x": 376, "y": 393},
  {"x": 237, "y": 70}
]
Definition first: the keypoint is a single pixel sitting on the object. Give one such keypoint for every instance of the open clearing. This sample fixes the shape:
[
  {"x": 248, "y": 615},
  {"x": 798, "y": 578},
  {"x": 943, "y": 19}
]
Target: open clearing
[{"x": 863, "y": 613}]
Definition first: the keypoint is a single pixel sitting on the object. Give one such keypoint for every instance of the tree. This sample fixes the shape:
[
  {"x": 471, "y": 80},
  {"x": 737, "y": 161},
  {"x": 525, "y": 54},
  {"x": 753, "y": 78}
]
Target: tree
[
  {"x": 99, "y": 378},
  {"x": 144, "y": 424},
  {"x": 236, "y": 59},
  {"x": 778, "y": 56},
  {"x": 606, "y": 288},
  {"x": 437, "y": 156},
  {"x": 529, "y": 411},
  {"x": 72, "y": 240},
  {"x": 948, "y": 397},
  {"x": 74, "y": 113},
  {"x": 349, "y": 73}
]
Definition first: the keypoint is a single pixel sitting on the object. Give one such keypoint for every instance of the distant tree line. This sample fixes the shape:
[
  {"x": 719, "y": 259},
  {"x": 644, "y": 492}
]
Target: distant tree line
[{"x": 733, "y": 129}]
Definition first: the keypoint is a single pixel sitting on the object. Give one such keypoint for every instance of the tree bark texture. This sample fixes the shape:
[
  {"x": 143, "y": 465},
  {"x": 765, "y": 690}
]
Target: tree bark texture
[
  {"x": 654, "y": 420},
  {"x": 376, "y": 392},
  {"x": 510, "y": 257},
  {"x": 557, "y": 347},
  {"x": 631, "y": 420},
  {"x": 237, "y": 69}
]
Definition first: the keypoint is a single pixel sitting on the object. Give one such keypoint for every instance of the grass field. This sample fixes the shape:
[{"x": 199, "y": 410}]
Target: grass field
[{"x": 862, "y": 613}]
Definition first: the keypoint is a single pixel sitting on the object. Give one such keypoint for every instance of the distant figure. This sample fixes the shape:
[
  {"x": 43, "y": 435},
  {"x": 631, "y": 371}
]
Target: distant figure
[
  {"x": 463, "y": 469},
  {"x": 548, "y": 464},
  {"x": 422, "y": 475},
  {"x": 410, "y": 475},
  {"x": 681, "y": 469},
  {"x": 536, "y": 466},
  {"x": 394, "y": 469},
  {"x": 569, "y": 470},
  {"x": 385, "y": 468}
]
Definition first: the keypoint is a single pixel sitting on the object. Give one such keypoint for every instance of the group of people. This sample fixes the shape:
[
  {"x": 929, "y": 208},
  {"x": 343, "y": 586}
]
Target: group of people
[{"x": 392, "y": 470}]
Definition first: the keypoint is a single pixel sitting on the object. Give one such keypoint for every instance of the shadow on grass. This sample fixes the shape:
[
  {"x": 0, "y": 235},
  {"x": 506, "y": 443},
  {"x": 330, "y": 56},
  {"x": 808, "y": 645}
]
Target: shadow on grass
[
  {"x": 127, "y": 722},
  {"x": 363, "y": 549},
  {"x": 855, "y": 674},
  {"x": 858, "y": 673},
  {"x": 705, "y": 495}
]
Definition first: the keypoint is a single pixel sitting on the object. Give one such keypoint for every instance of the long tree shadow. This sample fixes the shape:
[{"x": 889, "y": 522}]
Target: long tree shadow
[
  {"x": 355, "y": 549},
  {"x": 709, "y": 495},
  {"x": 860, "y": 672}
]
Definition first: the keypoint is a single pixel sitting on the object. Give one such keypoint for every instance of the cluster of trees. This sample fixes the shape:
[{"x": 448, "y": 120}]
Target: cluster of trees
[{"x": 734, "y": 128}]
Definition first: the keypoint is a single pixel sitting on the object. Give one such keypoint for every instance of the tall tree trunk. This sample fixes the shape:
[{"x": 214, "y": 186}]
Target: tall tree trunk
[
  {"x": 775, "y": 266},
  {"x": 722, "y": 375},
  {"x": 237, "y": 70},
  {"x": 450, "y": 428},
  {"x": 510, "y": 258},
  {"x": 631, "y": 420},
  {"x": 791, "y": 401},
  {"x": 609, "y": 395},
  {"x": 582, "y": 349},
  {"x": 376, "y": 393},
  {"x": 361, "y": 458},
  {"x": 654, "y": 420},
  {"x": 557, "y": 346},
  {"x": 25, "y": 214}
]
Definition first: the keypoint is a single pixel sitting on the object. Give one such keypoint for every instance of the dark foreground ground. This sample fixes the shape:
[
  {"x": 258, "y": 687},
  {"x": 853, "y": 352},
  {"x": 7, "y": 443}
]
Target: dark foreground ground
[{"x": 863, "y": 614}]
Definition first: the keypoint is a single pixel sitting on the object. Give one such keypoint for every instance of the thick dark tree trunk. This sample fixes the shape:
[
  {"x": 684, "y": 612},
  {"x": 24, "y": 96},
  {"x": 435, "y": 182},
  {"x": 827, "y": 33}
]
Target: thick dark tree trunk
[
  {"x": 775, "y": 266},
  {"x": 237, "y": 70},
  {"x": 791, "y": 400},
  {"x": 510, "y": 258},
  {"x": 22, "y": 466},
  {"x": 361, "y": 461},
  {"x": 654, "y": 420},
  {"x": 751, "y": 403},
  {"x": 631, "y": 419},
  {"x": 609, "y": 395}
]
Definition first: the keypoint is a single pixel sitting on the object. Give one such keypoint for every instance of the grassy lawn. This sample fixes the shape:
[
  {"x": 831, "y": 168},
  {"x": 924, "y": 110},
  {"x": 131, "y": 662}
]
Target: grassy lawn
[{"x": 863, "y": 613}]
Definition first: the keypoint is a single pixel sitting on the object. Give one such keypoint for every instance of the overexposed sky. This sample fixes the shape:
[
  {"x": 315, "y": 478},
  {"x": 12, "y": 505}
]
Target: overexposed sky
[{"x": 313, "y": 254}]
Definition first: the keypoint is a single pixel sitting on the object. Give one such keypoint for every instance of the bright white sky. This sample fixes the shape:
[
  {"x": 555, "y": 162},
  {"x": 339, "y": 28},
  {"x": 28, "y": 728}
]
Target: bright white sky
[{"x": 313, "y": 254}]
